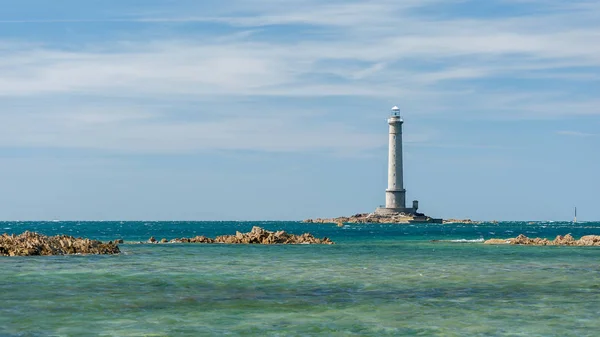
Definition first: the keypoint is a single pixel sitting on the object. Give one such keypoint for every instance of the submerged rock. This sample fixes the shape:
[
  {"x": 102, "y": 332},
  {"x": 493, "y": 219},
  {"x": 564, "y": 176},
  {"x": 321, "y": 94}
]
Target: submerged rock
[
  {"x": 567, "y": 240},
  {"x": 29, "y": 244},
  {"x": 259, "y": 236},
  {"x": 497, "y": 242},
  {"x": 197, "y": 239}
]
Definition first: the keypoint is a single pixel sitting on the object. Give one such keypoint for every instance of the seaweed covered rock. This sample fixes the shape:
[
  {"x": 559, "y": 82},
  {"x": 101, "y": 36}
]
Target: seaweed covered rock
[{"x": 31, "y": 244}]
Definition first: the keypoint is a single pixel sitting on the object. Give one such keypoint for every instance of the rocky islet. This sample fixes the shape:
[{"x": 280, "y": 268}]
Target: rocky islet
[
  {"x": 560, "y": 240},
  {"x": 368, "y": 218},
  {"x": 392, "y": 218},
  {"x": 35, "y": 244},
  {"x": 257, "y": 235}
]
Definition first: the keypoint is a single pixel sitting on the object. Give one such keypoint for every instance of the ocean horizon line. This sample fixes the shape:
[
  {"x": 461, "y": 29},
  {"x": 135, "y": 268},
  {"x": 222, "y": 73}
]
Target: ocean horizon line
[{"x": 269, "y": 220}]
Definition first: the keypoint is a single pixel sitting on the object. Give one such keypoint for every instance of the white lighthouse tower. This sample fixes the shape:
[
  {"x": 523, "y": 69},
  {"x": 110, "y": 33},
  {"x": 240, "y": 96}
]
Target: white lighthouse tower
[{"x": 395, "y": 194}]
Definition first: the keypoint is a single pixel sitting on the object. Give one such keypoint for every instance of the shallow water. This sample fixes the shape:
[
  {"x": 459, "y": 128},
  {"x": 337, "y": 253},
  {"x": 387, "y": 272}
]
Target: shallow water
[{"x": 377, "y": 280}]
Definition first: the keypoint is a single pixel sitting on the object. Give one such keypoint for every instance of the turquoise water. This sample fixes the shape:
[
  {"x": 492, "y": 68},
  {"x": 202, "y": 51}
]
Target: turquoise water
[{"x": 377, "y": 280}]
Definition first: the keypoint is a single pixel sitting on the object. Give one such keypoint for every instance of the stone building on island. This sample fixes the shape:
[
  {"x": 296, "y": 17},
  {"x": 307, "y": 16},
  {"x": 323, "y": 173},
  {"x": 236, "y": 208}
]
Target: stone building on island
[
  {"x": 395, "y": 210},
  {"x": 395, "y": 194}
]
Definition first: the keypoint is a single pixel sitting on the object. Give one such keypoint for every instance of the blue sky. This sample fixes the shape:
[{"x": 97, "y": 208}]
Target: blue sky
[{"x": 264, "y": 109}]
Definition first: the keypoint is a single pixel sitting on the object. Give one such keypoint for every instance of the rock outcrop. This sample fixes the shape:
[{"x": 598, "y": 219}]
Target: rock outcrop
[
  {"x": 497, "y": 242},
  {"x": 567, "y": 240},
  {"x": 258, "y": 236},
  {"x": 372, "y": 218},
  {"x": 197, "y": 239},
  {"x": 463, "y": 221},
  {"x": 30, "y": 244}
]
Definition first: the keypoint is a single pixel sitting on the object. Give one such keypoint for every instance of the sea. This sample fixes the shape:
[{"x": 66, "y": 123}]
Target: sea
[{"x": 377, "y": 280}]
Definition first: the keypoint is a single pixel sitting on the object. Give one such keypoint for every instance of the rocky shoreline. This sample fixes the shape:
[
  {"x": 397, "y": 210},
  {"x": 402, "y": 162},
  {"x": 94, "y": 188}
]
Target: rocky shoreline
[
  {"x": 362, "y": 218},
  {"x": 257, "y": 235},
  {"x": 465, "y": 221},
  {"x": 398, "y": 218},
  {"x": 35, "y": 244},
  {"x": 560, "y": 240}
]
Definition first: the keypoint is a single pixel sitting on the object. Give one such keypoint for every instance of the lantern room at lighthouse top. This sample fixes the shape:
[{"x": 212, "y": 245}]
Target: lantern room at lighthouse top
[{"x": 396, "y": 113}]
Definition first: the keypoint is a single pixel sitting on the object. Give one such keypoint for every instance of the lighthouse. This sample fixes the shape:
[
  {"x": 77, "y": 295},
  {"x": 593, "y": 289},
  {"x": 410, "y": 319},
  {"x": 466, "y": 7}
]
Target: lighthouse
[{"x": 395, "y": 194}]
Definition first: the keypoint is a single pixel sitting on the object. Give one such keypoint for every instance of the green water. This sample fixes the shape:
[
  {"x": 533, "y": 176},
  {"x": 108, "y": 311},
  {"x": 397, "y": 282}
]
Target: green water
[{"x": 366, "y": 285}]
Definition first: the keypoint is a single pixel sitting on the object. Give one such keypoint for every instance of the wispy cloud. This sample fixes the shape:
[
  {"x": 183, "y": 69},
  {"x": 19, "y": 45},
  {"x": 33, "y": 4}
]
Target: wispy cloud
[
  {"x": 127, "y": 129},
  {"x": 576, "y": 134},
  {"x": 443, "y": 62}
]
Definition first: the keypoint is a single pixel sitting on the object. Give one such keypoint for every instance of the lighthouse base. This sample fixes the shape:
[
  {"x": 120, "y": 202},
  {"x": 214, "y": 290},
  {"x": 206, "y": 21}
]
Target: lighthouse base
[{"x": 393, "y": 211}]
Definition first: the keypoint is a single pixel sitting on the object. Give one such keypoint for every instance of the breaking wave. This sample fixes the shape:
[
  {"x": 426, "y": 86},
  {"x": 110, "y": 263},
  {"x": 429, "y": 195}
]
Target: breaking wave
[{"x": 467, "y": 241}]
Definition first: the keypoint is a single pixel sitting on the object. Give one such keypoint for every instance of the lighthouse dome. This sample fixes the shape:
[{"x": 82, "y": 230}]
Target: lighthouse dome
[{"x": 396, "y": 109}]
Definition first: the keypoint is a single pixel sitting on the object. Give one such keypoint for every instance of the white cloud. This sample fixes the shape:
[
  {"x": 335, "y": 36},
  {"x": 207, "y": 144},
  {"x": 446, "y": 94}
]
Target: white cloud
[
  {"x": 576, "y": 133},
  {"x": 384, "y": 35},
  {"x": 127, "y": 130},
  {"x": 383, "y": 50}
]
